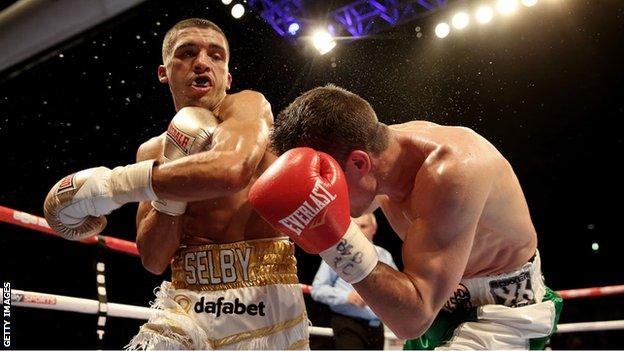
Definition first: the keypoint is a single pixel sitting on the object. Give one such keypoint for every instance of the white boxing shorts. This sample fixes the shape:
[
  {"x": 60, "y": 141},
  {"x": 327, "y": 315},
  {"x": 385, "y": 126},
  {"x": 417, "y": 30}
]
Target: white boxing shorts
[
  {"x": 513, "y": 310},
  {"x": 242, "y": 295}
]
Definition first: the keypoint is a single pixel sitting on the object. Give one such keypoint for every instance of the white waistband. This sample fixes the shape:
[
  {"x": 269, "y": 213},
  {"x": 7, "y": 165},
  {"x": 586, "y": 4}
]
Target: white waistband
[{"x": 520, "y": 287}]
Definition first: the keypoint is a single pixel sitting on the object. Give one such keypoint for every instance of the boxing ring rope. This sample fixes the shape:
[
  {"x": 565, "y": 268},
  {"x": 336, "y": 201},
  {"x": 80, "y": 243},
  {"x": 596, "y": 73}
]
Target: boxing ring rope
[
  {"x": 39, "y": 224},
  {"x": 74, "y": 304},
  {"x": 26, "y": 220},
  {"x": 44, "y": 301},
  {"x": 81, "y": 305},
  {"x": 592, "y": 292}
]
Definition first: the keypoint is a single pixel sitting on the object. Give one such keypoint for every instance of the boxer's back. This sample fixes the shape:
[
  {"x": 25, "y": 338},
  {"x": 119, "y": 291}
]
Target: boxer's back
[
  {"x": 505, "y": 237},
  {"x": 220, "y": 220}
]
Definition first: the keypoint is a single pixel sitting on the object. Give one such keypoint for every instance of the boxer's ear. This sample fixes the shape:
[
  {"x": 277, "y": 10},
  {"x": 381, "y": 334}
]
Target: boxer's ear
[
  {"x": 229, "y": 82},
  {"x": 358, "y": 162},
  {"x": 162, "y": 74}
]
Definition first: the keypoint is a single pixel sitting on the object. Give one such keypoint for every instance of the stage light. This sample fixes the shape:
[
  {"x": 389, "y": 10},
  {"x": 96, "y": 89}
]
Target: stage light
[
  {"x": 507, "y": 6},
  {"x": 238, "y": 11},
  {"x": 484, "y": 14},
  {"x": 226, "y": 2},
  {"x": 323, "y": 41},
  {"x": 529, "y": 3},
  {"x": 595, "y": 246},
  {"x": 293, "y": 28},
  {"x": 442, "y": 30},
  {"x": 460, "y": 20}
]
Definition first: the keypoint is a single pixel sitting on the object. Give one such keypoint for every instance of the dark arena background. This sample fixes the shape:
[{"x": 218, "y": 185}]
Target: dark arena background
[{"x": 543, "y": 83}]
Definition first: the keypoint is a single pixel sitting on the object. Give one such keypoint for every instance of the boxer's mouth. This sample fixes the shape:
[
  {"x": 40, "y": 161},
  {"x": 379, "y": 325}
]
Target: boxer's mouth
[{"x": 201, "y": 82}]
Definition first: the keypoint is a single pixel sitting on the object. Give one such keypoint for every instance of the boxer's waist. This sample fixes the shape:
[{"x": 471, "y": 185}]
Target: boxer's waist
[
  {"x": 234, "y": 265},
  {"x": 521, "y": 287}
]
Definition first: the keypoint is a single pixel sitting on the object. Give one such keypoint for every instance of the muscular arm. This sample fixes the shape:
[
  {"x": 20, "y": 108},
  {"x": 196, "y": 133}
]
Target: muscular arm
[
  {"x": 238, "y": 146},
  {"x": 435, "y": 252},
  {"x": 158, "y": 234}
]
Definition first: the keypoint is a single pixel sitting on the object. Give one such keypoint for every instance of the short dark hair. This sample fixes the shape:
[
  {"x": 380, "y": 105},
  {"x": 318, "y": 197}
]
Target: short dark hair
[
  {"x": 329, "y": 119},
  {"x": 172, "y": 33}
]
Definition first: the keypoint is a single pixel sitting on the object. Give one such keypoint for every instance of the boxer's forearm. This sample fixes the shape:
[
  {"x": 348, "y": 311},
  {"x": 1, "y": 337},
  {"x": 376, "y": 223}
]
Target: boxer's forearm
[
  {"x": 397, "y": 301},
  {"x": 158, "y": 237},
  {"x": 237, "y": 147},
  {"x": 202, "y": 176}
]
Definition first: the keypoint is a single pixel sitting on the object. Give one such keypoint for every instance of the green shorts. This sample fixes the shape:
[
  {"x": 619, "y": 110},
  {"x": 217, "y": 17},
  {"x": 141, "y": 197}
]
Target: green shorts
[{"x": 493, "y": 327}]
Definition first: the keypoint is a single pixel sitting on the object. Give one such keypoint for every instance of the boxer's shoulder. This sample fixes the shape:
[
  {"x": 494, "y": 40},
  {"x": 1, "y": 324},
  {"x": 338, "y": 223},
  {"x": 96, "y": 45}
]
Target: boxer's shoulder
[
  {"x": 151, "y": 149},
  {"x": 413, "y": 125},
  {"x": 248, "y": 99},
  {"x": 247, "y": 94},
  {"x": 448, "y": 166}
]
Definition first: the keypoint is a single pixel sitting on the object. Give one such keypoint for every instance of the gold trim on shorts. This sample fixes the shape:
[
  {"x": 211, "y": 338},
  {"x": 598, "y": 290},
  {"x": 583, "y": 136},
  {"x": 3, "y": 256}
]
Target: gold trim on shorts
[
  {"x": 258, "y": 333},
  {"x": 234, "y": 265}
]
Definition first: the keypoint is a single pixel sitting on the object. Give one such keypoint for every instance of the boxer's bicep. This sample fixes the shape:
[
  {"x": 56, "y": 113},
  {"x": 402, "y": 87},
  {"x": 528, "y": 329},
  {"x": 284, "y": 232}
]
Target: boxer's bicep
[
  {"x": 158, "y": 235},
  {"x": 439, "y": 241},
  {"x": 246, "y": 140},
  {"x": 243, "y": 136},
  {"x": 247, "y": 118},
  {"x": 435, "y": 252},
  {"x": 142, "y": 210},
  {"x": 158, "y": 238}
]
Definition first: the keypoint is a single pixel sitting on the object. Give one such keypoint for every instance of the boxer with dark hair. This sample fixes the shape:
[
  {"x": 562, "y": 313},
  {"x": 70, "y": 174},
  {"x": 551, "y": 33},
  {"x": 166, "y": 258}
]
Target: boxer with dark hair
[{"x": 472, "y": 276}]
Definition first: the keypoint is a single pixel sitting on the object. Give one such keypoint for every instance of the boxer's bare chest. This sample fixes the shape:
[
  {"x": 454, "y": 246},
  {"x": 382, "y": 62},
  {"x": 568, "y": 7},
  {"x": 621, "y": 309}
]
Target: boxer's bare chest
[
  {"x": 222, "y": 221},
  {"x": 226, "y": 219}
]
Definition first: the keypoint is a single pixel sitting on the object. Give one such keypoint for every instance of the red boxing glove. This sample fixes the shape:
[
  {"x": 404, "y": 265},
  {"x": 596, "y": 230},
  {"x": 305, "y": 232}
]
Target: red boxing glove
[{"x": 304, "y": 195}]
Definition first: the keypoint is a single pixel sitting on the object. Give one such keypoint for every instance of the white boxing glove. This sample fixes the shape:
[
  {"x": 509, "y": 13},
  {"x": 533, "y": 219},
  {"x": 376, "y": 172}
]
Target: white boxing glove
[
  {"x": 76, "y": 205},
  {"x": 189, "y": 132}
]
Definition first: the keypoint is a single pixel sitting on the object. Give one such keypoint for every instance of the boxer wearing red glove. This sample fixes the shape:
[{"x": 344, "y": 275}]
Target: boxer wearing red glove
[
  {"x": 304, "y": 195},
  {"x": 472, "y": 276}
]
